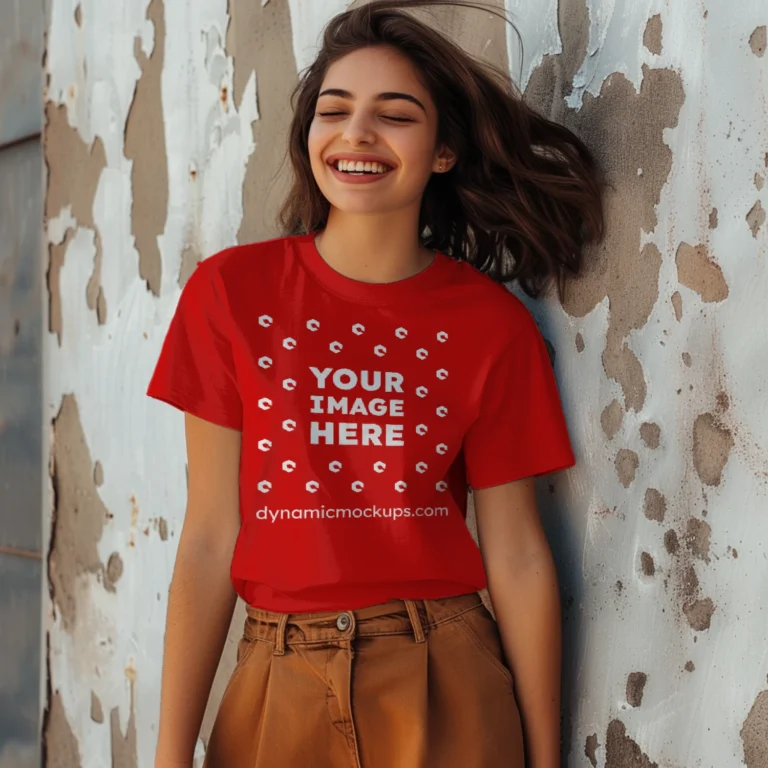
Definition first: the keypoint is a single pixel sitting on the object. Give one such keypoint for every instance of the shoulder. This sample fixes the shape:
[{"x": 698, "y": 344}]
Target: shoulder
[{"x": 495, "y": 309}]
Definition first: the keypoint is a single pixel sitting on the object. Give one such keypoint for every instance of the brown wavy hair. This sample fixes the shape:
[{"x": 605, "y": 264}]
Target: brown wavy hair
[{"x": 524, "y": 196}]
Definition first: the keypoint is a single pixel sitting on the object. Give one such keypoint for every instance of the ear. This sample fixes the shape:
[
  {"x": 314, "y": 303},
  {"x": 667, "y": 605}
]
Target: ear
[{"x": 445, "y": 159}]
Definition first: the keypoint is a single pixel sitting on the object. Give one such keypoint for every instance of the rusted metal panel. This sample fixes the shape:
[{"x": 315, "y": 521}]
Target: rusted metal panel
[{"x": 21, "y": 68}]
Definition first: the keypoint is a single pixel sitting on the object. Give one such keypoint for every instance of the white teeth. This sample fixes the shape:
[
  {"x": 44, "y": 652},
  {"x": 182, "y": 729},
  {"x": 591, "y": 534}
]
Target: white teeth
[{"x": 351, "y": 166}]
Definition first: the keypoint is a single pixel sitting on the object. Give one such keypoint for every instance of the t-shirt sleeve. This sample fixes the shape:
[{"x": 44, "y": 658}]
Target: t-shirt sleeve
[
  {"x": 196, "y": 371},
  {"x": 520, "y": 430}
]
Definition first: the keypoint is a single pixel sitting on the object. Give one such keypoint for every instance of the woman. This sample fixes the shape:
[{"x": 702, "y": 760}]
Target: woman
[{"x": 343, "y": 386}]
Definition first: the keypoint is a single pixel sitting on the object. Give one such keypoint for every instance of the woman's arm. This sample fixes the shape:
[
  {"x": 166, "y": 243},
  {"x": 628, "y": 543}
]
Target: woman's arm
[
  {"x": 522, "y": 583},
  {"x": 201, "y": 598}
]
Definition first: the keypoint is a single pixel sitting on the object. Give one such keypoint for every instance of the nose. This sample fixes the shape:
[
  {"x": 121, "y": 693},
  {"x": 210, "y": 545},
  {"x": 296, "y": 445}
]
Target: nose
[{"x": 358, "y": 130}]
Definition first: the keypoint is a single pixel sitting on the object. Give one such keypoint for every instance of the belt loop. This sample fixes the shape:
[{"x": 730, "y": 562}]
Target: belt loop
[
  {"x": 413, "y": 615},
  {"x": 280, "y": 635}
]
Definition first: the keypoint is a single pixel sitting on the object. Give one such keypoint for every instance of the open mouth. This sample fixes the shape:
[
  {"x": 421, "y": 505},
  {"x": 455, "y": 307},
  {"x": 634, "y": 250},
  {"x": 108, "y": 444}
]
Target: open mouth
[{"x": 361, "y": 168}]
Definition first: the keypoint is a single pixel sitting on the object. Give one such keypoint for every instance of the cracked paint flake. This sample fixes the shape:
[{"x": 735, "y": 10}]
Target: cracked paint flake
[
  {"x": 712, "y": 446},
  {"x": 699, "y": 613},
  {"x": 620, "y": 126},
  {"x": 611, "y": 419},
  {"x": 590, "y": 749},
  {"x": 647, "y": 566},
  {"x": 758, "y": 41},
  {"x": 698, "y": 536},
  {"x": 74, "y": 172},
  {"x": 652, "y": 35},
  {"x": 623, "y": 752},
  {"x": 650, "y": 434},
  {"x": 698, "y": 271},
  {"x": 145, "y": 147},
  {"x": 79, "y": 514},
  {"x": 61, "y": 747},
  {"x": 756, "y": 218},
  {"x": 635, "y": 688},
  {"x": 627, "y": 462},
  {"x": 754, "y": 733},
  {"x": 677, "y": 305},
  {"x": 123, "y": 744},
  {"x": 655, "y": 505}
]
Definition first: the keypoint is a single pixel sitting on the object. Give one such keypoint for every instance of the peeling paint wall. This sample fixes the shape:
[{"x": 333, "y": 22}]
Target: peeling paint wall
[
  {"x": 164, "y": 133},
  {"x": 659, "y": 531}
]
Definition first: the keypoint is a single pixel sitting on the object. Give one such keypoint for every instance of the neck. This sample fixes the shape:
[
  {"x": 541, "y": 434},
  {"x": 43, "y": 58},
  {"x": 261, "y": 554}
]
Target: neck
[{"x": 376, "y": 248}]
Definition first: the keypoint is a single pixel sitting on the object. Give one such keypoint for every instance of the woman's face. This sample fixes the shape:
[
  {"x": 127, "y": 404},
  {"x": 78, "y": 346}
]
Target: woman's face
[{"x": 372, "y": 109}]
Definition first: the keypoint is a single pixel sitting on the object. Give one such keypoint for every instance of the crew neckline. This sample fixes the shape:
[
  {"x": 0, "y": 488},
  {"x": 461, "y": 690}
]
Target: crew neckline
[{"x": 370, "y": 293}]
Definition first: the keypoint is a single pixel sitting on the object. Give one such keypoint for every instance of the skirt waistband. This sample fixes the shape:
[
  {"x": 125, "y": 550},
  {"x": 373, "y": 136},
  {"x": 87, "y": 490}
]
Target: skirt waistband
[{"x": 395, "y": 617}]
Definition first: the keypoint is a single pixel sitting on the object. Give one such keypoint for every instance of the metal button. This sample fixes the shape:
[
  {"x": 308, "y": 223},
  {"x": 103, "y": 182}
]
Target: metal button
[{"x": 342, "y": 623}]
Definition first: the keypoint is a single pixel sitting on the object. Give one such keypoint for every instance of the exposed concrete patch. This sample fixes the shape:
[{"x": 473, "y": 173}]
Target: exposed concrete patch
[
  {"x": 698, "y": 535},
  {"x": 677, "y": 305},
  {"x": 113, "y": 571},
  {"x": 579, "y": 343},
  {"x": 61, "y": 747},
  {"x": 626, "y": 464},
  {"x": 655, "y": 505},
  {"x": 687, "y": 359},
  {"x": 756, "y": 218},
  {"x": 98, "y": 474},
  {"x": 94, "y": 293},
  {"x": 650, "y": 434},
  {"x": 621, "y": 751},
  {"x": 611, "y": 419},
  {"x": 689, "y": 583},
  {"x": 712, "y": 445},
  {"x": 145, "y": 146},
  {"x": 162, "y": 528},
  {"x": 257, "y": 40},
  {"x": 79, "y": 514},
  {"x": 699, "y": 613},
  {"x": 590, "y": 749},
  {"x": 652, "y": 35},
  {"x": 671, "y": 543},
  {"x": 713, "y": 218},
  {"x": 758, "y": 41},
  {"x": 759, "y": 181},
  {"x": 699, "y": 272},
  {"x": 635, "y": 688},
  {"x": 754, "y": 732},
  {"x": 79, "y": 15},
  {"x": 74, "y": 170},
  {"x": 625, "y": 131},
  {"x": 647, "y": 565},
  {"x": 123, "y": 747},
  {"x": 97, "y": 711},
  {"x": 56, "y": 255}
]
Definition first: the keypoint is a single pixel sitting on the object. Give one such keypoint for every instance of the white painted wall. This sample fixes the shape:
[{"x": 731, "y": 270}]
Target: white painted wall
[{"x": 684, "y": 721}]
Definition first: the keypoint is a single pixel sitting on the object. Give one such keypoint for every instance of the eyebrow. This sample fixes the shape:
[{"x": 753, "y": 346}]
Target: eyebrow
[{"x": 386, "y": 96}]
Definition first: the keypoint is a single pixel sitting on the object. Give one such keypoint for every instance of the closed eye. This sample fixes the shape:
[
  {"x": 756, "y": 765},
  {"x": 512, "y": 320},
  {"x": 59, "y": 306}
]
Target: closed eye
[{"x": 386, "y": 117}]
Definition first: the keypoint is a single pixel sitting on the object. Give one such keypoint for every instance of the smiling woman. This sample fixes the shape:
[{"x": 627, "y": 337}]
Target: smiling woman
[{"x": 421, "y": 180}]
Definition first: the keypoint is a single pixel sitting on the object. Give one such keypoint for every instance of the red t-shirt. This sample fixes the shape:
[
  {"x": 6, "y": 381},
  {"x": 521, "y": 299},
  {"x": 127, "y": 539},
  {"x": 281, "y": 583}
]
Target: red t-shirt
[{"x": 365, "y": 410}]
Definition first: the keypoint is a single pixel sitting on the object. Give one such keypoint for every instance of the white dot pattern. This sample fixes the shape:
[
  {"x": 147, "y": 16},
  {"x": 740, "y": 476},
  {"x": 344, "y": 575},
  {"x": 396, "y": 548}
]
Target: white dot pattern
[{"x": 336, "y": 346}]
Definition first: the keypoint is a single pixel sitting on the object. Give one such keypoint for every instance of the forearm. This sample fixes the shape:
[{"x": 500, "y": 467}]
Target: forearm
[
  {"x": 200, "y": 609},
  {"x": 527, "y": 606}
]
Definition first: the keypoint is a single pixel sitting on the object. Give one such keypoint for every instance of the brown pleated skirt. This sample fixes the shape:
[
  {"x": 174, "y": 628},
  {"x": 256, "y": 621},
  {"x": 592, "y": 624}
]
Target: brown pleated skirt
[{"x": 403, "y": 684}]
